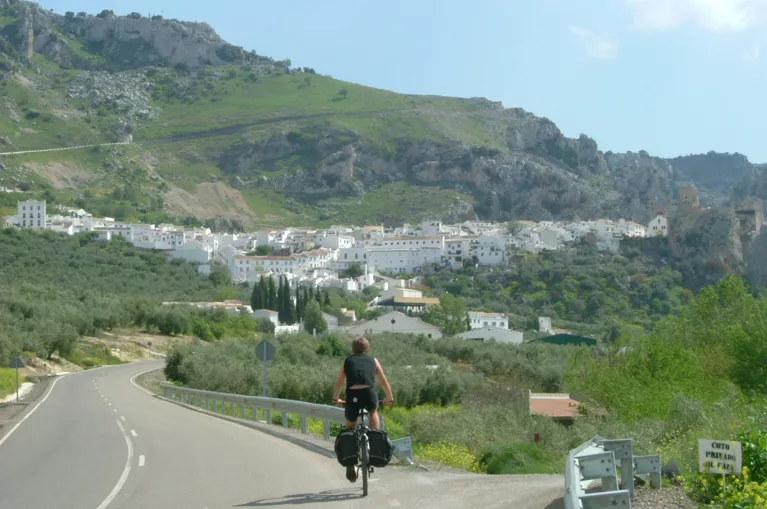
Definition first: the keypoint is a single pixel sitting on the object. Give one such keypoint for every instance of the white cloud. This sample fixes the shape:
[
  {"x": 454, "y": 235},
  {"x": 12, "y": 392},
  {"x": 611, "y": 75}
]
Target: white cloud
[
  {"x": 707, "y": 14},
  {"x": 753, "y": 54},
  {"x": 596, "y": 46}
]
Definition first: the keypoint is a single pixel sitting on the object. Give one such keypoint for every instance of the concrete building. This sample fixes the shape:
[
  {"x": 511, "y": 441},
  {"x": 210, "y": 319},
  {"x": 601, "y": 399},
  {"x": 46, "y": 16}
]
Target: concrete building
[
  {"x": 32, "y": 214},
  {"x": 506, "y": 336},
  {"x": 479, "y": 320}
]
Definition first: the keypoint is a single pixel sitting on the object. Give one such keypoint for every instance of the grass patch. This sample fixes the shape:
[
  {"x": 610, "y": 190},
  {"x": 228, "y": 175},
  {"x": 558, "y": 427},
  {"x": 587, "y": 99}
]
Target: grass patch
[
  {"x": 220, "y": 103},
  {"x": 90, "y": 355},
  {"x": 8, "y": 381}
]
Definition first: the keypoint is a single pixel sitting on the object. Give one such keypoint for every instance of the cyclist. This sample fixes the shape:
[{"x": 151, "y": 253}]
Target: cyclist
[{"x": 360, "y": 371}]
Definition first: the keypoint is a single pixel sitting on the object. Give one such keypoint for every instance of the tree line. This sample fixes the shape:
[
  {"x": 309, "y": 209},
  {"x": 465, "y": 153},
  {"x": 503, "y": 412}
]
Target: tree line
[{"x": 291, "y": 308}]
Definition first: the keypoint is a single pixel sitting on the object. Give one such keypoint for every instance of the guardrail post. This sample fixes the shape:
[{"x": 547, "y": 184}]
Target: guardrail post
[
  {"x": 649, "y": 465},
  {"x": 600, "y": 466},
  {"x": 624, "y": 451},
  {"x": 255, "y": 413},
  {"x": 285, "y": 423},
  {"x": 304, "y": 425},
  {"x": 268, "y": 416},
  {"x": 326, "y": 429}
]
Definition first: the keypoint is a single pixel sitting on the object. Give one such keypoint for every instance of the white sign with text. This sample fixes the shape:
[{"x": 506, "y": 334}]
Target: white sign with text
[{"x": 720, "y": 457}]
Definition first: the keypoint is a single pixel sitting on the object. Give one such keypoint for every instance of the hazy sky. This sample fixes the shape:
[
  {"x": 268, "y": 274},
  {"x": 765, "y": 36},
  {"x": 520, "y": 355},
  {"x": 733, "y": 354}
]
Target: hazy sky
[{"x": 671, "y": 77}]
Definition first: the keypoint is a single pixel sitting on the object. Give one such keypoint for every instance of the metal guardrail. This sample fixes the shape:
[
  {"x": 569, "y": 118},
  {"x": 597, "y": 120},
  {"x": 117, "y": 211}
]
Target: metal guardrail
[
  {"x": 596, "y": 460},
  {"x": 216, "y": 402}
]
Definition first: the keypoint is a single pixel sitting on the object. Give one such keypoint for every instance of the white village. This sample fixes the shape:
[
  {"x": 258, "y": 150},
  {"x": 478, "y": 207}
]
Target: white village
[{"x": 390, "y": 259}]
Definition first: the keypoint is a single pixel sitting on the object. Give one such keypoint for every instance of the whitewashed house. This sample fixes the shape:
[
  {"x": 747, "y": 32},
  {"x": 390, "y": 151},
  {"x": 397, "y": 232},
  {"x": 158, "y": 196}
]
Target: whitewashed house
[
  {"x": 336, "y": 241},
  {"x": 478, "y": 320},
  {"x": 11, "y": 221},
  {"x": 194, "y": 252},
  {"x": 66, "y": 227},
  {"x": 402, "y": 259},
  {"x": 249, "y": 268},
  {"x": 32, "y": 214},
  {"x": 395, "y": 323},
  {"x": 268, "y": 314},
  {"x": 658, "y": 227}
]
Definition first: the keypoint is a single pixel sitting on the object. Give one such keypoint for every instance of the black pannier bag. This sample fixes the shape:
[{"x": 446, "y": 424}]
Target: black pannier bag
[
  {"x": 346, "y": 448},
  {"x": 381, "y": 448}
]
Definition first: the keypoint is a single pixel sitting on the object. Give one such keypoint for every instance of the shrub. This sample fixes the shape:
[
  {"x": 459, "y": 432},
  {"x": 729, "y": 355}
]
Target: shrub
[{"x": 454, "y": 455}]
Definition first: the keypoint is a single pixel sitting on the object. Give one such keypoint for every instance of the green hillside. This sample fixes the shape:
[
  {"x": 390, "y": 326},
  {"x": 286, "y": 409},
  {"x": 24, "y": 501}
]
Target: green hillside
[{"x": 217, "y": 130}]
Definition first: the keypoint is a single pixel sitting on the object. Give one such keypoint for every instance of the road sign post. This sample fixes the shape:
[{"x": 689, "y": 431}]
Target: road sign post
[
  {"x": 265, "y": 351},
  {"x": 17, "y": 363}
]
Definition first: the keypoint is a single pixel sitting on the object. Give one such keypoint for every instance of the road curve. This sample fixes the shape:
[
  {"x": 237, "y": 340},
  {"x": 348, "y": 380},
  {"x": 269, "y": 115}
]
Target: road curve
[{"x": 98, "y": 442}]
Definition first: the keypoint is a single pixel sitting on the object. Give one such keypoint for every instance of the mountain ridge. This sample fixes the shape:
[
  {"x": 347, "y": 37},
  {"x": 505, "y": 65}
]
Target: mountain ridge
[{"x": 314, "y": 149}]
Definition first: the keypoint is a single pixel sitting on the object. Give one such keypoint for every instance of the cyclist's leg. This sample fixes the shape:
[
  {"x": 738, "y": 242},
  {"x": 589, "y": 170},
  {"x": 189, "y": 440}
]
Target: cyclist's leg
[
  {"x": 372, "y": 407},
  {"x": 352, "y": 408}
]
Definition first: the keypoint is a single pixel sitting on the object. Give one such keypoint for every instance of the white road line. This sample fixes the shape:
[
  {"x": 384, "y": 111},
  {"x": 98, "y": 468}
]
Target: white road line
[
  {"x": 137, "y": 386},
  {"x": 2, "y": 440},
  {"x": 141, "y": 460},
  {"x": 122, "y": 417},
  {"x": 110, "y": 404},
  {"x": 133, "y": 432},
  {"x": 394, "y": 503},
  {"x": 114, "y": 410},
  {"x": 126, "y": 471}
]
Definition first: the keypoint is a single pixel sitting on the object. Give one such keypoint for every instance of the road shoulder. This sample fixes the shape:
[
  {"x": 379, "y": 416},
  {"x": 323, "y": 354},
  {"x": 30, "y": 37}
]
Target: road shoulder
[{"x": 11, "y": 413}]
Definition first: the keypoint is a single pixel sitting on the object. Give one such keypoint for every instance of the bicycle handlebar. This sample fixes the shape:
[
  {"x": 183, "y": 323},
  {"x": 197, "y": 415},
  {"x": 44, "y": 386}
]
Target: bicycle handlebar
[{"x": 340, "y": 402}]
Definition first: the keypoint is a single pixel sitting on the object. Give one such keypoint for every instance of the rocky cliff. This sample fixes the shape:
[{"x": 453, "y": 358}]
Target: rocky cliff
[
  {"x": 116, "y": 42},
  {"x": 539, "y": 174}
]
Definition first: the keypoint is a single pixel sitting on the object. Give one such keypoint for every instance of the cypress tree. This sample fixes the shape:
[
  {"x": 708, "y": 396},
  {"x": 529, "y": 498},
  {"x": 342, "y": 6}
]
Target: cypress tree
[
  {"x": 281, "y": 302},
  {"x": 299, "y": 305},
  {"x": 263, "y": 291},
  {"x": 292, "y": 312},
  {"x": 327, "y": 298},
  {"x": 317, "y": 295},
  {"x": 287, "y": 312},
  {"x": 255, "y": 297},
  {"x": 272, "y": 295}
]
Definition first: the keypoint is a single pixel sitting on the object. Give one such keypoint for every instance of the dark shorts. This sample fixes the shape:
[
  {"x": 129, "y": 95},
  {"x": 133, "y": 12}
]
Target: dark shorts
[{"x": 356, "y": 399}]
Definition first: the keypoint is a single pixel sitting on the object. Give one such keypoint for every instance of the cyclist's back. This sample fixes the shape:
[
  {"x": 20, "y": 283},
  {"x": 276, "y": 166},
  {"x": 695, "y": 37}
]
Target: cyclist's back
[{"x": 360, "y": 370}]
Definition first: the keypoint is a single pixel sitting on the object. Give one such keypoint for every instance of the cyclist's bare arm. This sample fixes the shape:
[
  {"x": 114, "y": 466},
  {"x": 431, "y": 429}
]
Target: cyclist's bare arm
[
  {"x": 384, "y": 383},
  {"x": 339, "y": 385}
]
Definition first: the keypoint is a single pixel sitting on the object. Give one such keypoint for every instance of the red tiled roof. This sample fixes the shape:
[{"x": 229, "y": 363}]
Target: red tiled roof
[{"x": 555, "y": 406}]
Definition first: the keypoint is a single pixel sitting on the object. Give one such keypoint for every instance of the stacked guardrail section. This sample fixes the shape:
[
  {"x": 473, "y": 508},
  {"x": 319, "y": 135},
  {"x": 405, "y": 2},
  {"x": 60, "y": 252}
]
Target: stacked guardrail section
[
  {"x": 598, "y": 459},
  {"x": 217, "y": 402}
]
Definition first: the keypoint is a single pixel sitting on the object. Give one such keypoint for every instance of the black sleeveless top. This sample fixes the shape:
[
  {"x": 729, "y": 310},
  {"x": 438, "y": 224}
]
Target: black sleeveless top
[{"x": 360, "y": 370}]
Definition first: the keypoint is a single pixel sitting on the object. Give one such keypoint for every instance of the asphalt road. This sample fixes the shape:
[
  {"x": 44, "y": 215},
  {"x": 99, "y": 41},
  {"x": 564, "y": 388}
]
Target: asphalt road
[{"x": 97, "y": 441}]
